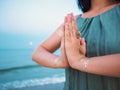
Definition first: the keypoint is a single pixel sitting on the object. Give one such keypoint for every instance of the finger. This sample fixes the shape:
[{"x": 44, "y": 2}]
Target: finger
[
  {"x": 63, "y": 37},
  {"x": 65, "y": 20},
  {"x": 70, "y": 25},
  {"x": 62, "y": 40},
  {"x": 69, "y": 21},
  {"x": 82, "y": 42},
  {"x": 62, "y": 44},
  {"x": 74, "y": 22},
  {"x": 59, "y": 30},
  {"x": 75, "y": 30},
  {"x": 67, "y": 33}
]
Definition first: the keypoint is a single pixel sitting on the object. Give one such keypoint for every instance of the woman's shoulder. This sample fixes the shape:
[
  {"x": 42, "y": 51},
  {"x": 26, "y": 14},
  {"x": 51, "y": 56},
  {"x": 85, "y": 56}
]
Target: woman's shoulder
[
  {"x": 113, "y": 9},
  {"x": 113, "y": 13}
]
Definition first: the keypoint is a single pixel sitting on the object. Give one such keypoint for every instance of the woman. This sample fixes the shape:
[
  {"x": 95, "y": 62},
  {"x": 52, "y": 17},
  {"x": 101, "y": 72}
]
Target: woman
[{"x": 92, "y": 61}]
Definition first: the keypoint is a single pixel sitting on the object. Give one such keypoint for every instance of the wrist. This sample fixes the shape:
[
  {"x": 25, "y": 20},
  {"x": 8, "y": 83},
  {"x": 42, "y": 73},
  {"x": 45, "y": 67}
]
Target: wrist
[
  {"x": 84, "y": 63},
  {"x": 64, "y": 61},
  {"x": 56, "y": 62},
  {"x": 76, "y": 59},
  {"x": 60, "y": 62},
  {"x": 81, "y": 63}
]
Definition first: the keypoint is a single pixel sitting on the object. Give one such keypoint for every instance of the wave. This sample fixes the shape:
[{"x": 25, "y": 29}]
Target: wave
[
  {"x": 20, "y": 67},
  {"x": 32, "y": 82}
]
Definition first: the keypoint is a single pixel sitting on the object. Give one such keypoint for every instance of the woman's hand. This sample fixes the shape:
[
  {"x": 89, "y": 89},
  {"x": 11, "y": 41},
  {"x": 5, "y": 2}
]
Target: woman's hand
[
  {"x": 74, "y": 45},
  {"x": 63, "y": 56}
]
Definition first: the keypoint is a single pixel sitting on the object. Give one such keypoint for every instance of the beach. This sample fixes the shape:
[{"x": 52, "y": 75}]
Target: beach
[{"x": 58, "y": 86}]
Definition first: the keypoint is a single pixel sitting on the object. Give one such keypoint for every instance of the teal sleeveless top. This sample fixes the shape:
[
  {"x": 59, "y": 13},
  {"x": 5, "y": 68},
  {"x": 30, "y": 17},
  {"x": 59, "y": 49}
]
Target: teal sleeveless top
[{"x": 102, "y": 35}]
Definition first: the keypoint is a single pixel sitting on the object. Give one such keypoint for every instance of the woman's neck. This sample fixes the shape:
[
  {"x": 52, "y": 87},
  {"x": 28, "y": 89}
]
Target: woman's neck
[
  {"x": 98, "y": 7},
  {"x": 100, "y": 4}
]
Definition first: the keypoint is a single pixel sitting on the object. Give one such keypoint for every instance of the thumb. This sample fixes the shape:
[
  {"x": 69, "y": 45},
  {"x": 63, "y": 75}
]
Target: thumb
[{"x": 83, "y": 42}]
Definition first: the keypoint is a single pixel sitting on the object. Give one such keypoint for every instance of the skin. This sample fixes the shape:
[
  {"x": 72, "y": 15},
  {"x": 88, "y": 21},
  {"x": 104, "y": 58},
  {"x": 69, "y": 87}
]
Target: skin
[{"x": 73, "y": 48}]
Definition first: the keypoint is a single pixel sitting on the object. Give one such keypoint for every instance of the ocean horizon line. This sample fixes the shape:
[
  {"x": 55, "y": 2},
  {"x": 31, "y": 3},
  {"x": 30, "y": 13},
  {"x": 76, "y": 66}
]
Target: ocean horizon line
[{"x": 20, "y": 67}]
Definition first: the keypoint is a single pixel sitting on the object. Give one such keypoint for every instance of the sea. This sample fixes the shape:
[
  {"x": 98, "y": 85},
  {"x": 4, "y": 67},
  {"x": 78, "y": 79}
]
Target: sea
[{"x": 17, "y": 70}]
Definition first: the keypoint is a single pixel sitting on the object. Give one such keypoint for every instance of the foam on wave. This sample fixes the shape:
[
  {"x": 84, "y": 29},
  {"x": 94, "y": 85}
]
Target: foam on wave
[{"x": 32, "y": 82}]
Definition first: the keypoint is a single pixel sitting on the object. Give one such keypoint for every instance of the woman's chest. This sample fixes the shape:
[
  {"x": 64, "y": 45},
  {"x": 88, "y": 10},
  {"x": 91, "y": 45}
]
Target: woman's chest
[
  {"x": 102, "y": 41},
  {"x": 102, "y": 35}
]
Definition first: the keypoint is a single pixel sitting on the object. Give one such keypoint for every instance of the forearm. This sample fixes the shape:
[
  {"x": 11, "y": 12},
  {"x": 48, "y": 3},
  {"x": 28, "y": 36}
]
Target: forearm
[
  {"x": 108, "y": 65},
  {"x": 47, "y": 59}
]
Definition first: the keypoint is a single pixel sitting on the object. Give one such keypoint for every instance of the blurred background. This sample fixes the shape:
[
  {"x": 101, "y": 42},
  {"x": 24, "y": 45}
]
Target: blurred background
[{"x": 24, "y": 24}]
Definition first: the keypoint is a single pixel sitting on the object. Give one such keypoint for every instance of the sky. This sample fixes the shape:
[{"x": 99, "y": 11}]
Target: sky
[{"x": 26, "y": 23}]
